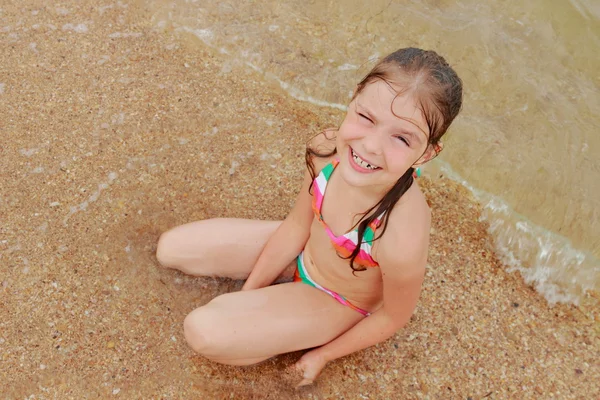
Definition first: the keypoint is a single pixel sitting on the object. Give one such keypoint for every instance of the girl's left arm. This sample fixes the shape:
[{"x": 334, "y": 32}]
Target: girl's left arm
[
  {"x": 401, "y": 293},
  {"x": 402, "y": 274}
]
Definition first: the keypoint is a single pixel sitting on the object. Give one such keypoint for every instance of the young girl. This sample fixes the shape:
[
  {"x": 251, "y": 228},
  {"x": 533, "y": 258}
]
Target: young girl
[{"x": 355, "y": 242}]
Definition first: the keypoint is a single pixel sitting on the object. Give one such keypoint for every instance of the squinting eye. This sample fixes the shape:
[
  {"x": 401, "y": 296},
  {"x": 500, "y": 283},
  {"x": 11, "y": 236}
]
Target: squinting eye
[
  {"x": 404, "y": 140},
  {"x": 365, "y": 117}
]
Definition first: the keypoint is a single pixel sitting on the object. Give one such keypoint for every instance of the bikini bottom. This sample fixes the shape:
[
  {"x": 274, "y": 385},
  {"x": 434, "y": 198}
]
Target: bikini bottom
[{"x": 301, "y": 275}]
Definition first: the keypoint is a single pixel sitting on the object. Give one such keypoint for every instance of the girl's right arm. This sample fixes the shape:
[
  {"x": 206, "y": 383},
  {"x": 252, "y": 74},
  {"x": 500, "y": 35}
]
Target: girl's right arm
[{"x": 286, "y": 242}]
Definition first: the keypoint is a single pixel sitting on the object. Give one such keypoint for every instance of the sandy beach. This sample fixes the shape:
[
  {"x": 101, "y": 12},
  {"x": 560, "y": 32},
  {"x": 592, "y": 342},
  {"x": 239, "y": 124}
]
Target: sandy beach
[{"x": 114, "y": 131}]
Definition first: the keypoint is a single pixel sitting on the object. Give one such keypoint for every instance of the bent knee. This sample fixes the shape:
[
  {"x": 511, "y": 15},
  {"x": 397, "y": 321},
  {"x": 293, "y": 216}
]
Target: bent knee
[
  {"x": 165, "y": 250},
  {"x": 200, "y": 331}
]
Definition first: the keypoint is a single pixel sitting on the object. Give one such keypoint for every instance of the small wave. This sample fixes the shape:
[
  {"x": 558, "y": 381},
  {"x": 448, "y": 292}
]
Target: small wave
[
  {"x": 205, "y": 35},
  {"x": 545, "y": 259},
  {"x": 587, "y": 9}
]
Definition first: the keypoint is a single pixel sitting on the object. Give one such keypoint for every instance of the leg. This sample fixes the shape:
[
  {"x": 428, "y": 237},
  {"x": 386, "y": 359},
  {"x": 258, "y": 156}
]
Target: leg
[
  {"x": 226, "y": 247},
  {"x": 244, "y": 328}
]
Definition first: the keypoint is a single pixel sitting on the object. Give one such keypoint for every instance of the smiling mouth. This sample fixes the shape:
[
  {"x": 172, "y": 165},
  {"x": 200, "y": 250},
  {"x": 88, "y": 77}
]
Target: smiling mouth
[{"x": 362, "y": 163}]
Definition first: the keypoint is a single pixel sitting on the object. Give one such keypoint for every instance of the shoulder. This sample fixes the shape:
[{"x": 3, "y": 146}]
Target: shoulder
[
  {"x": 404, "y": 245},
  {"x": 320, "y": 148}
]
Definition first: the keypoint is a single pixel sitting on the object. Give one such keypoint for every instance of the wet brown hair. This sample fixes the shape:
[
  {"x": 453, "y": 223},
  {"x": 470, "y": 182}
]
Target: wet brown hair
[{"x": 436, "y": 88}]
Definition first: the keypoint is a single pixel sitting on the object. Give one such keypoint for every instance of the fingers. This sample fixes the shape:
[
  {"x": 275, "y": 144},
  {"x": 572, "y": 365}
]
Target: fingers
[
  {"x": 304, "y": 382},
  {"x": 300, "y": 371}
]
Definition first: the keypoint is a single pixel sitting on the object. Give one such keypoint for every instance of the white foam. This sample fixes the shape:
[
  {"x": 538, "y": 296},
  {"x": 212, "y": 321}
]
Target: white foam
[
  {"x": 79, "y": 28},
  {"x": 203, "y": 34},
  {"x": 300, "y": 95},
  {"x": 94, "y": 197},
  {"x": 206, "y": 35},
  {"x": 118, "y": 119},
  {"x": 103, "y": 59},
  {"x": 347, "y": 67},
  {"x": 584, "y": 9},
  {"x": 254, "y": 67},
  {"x": 212, "y": 132},
  {"x": 28, "y": 152},
  {"x": 545, "y": 259},
  {"x": 374, "y": 57},
  {"x": 234, "y": 165},
  {"x": 12, "y": 249},
  {"x": 102, "y": 9},
  {"x": 124, "y": 35}
]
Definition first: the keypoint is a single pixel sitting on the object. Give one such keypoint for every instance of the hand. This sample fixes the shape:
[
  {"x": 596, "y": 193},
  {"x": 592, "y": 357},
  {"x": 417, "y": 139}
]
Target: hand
[{"x": 310, "y": 366}]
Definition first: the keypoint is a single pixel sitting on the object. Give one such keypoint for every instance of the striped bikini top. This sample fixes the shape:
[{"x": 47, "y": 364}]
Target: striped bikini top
[{"x": 345, "y": 244}]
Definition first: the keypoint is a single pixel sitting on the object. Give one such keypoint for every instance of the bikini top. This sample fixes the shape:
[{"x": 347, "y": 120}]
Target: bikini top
[{"x": 345, "y": 244}]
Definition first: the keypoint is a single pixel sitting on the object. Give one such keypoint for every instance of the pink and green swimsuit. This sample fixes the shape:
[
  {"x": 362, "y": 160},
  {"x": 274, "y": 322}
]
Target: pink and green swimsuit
[{"x": 344, "y": 245}]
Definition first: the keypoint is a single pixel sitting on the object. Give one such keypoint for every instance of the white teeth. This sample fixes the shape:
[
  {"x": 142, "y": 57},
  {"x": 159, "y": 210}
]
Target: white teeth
[{"x": 361, "y": 162}]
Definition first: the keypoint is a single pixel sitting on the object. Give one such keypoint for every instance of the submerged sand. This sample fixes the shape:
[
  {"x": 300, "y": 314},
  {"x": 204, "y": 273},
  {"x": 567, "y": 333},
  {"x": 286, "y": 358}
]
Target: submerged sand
[{"x": 114, "y": 132}]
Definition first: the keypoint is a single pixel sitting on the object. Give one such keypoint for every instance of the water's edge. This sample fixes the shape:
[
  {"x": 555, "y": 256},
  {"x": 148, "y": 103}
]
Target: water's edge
[{"x": 545, "y": 259}]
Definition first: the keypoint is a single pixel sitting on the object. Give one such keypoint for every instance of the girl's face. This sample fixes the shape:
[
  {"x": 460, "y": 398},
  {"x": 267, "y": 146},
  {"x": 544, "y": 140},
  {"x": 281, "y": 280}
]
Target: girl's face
[{"x": 377, "y": 147}]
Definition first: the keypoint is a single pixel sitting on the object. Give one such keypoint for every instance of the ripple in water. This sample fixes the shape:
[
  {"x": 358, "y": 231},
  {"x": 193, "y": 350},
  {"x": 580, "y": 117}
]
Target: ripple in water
[{"x": 524, "y": 140}]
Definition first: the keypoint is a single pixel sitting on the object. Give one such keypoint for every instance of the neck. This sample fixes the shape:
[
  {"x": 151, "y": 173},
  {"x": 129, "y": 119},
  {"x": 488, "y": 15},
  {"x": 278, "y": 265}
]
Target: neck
[{"x": 364, "y": 197}]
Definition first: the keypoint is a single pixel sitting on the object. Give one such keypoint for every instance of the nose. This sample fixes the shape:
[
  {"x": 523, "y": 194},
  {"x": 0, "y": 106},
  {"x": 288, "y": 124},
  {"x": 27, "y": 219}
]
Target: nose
[{"x": 372, "y": 143}]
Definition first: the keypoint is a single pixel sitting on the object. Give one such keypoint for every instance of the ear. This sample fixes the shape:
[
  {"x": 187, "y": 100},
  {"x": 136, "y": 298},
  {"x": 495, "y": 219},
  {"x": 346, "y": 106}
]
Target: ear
[{"x": 432, "y": 151}]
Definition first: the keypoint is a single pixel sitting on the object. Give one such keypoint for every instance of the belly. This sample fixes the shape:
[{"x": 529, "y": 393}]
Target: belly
[{"x": 364, "y": 289}]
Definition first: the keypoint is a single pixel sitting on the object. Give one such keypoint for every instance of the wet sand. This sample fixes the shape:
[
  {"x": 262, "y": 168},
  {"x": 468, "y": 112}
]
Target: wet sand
[{"x": 114, "y": 132}]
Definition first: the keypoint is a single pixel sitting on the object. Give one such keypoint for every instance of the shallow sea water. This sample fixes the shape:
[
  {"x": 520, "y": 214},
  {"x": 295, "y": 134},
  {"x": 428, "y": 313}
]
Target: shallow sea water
[
  {"x": 526, "y": 141},
  {"x": 120, "y": 122}
]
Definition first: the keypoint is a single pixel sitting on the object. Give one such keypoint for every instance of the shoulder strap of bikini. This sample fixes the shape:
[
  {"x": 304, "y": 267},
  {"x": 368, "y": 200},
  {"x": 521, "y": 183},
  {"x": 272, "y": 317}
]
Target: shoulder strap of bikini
[{"x": 328, "y": 169}]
